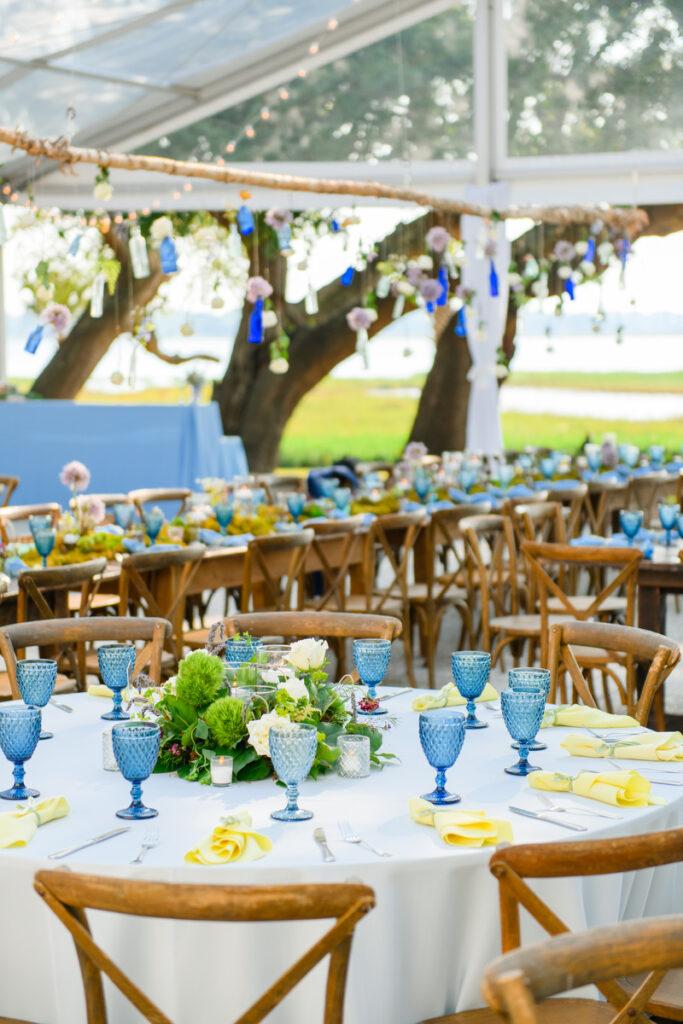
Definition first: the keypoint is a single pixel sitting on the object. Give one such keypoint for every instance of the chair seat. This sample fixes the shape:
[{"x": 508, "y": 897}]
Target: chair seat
[
  {"x": 195, "y": 638},
  {"x": 525, "y": 625},
  {"x": 63, "y": 685},
  {"x": 98, "y": 601},
  {"x": 359, "y": 603},
  {"x": 583, "y": 601},
  {"x": 550, "y": 1011},
  {"x": 418, "y": 593},
  {"x": 667, "y": 1000}
]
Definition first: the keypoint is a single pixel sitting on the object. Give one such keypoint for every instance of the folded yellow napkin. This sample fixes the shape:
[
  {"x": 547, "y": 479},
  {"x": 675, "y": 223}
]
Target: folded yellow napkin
[
  {"x": 461, "y": 828},
  {"x": 622, "y": 789},
  {"x": 100, "y": 690},
  {"x": 18, "y": 827},
  {"x": 647, "y": 746},
  {"x": 232, "y": 840},
  {"x": 579, "y": 715},
  {"x": 448, "y": 696}
]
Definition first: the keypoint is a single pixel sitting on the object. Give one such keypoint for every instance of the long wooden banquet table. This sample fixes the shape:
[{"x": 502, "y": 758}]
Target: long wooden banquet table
[{"x": 419, "y": 954}]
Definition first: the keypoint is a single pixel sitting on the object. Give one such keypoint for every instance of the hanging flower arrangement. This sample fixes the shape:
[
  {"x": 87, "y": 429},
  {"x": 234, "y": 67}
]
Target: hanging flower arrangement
[{"x": 360, "y": 319}]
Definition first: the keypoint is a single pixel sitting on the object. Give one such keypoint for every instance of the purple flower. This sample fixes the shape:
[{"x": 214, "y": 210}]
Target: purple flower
[
  {"x": 414, "y": 275},
  {"x": 258, "y": 288},
  {"x": 276, "y": 218},
  {"x": 564, "y": 251},
  {"x": 437, "y": 238},
  {"x": 360, "y": 318},
  {"x": 415, "y": 451},
  {"x": 93, "y": 508},
  {"x": 59, "y": 317},
  {"x": 464, "y": 293},
  {"x": 75, "y": 475},
  {"x": 491, "y": 248},
  {"x": 430, "y": 289}
]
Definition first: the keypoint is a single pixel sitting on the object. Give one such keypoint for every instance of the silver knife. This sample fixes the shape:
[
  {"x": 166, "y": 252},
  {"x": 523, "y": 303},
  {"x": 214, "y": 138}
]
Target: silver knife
[
  {"x": 321, "y": 840},
  {"x": 638, "y": 766},
  {"x": 62, "y": 707},
  {"x": 546, "y": 817},
  {"x": 90, "y": 842},
  {"x": 397, "y": 693}
]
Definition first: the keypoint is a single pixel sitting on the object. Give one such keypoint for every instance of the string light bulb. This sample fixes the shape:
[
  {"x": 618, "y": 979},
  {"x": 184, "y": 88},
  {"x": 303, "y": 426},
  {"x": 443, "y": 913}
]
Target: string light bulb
[
  {"x": 314, "y": 47},
  {"x": 188, "y": 186},
  {"x": 230, "y": 148},
  {"x": 249, "y": 132},
  {"x": 265, "y": 113},
  {"x": 332, "y": 24},
  {"x": 284, "y": 95},
  {"x": 302, "y": 72}
]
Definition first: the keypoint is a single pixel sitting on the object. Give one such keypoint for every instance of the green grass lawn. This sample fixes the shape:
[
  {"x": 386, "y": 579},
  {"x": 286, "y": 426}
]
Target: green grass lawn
[{"x": 643, "y": 382}]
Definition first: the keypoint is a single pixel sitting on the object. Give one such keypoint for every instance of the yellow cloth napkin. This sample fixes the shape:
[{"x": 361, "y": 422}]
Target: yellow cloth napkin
[
  {"x": 622, "y": 789},
  {"x": 100, "y": 690},
  {"x": 18, "y": 827},
  {"x": 647, "y": 746},
  {"x": 232, "y": 840},
  {"x": 579, "y": 715},
  {"x": 461, "y": 828},
  {"x": 448, "y": 696}
]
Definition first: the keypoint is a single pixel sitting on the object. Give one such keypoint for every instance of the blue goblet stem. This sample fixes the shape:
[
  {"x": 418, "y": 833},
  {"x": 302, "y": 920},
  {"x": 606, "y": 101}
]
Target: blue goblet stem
[
  {"x": 116, "y": 714},
  {"x": 472, "y": 720},
  {"x": 668, "y": 537},
  {"x": 292, "y": 797},
  {"x": 19, "y": 791}
]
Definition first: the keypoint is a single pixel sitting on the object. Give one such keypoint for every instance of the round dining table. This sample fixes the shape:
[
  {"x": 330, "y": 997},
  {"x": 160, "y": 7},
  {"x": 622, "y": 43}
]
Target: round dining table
[{"x": 420, "y": 953}]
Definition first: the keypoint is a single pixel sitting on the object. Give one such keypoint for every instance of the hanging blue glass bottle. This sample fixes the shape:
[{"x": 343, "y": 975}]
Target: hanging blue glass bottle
[
  {"x": 460, "y": 325},
  {"x": 34, "y": 339},
  {"x": 443, "y": 281},
  {"x": 569, "y": 288},
  {"x": 347, "y": 277},
  {"x": 256, "y": 324},
  {"x": 168, "y": 256},
  {"x": 493, "y": 281},
  {"x": 245, "y": 220},
  {"x": 590, "y": 251},
  {"x": 75, "y": 242},
  {"x": 334, "y": 224}
]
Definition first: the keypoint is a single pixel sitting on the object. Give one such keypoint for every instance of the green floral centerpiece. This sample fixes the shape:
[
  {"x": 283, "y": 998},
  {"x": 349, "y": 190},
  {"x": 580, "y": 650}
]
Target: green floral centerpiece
[{"x": 200, "y": 716}]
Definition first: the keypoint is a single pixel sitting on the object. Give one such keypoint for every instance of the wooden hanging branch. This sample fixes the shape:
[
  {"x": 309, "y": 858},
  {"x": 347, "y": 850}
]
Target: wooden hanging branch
[{"x": 631, "y": 220}]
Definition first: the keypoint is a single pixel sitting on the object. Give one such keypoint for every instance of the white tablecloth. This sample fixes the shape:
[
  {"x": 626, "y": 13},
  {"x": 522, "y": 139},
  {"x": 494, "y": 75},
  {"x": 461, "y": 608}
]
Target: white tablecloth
[{"x": 420, "y": 953}]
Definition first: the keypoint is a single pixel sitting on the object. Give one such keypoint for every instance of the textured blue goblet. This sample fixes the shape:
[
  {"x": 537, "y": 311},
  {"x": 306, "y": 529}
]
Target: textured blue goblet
[
  {"x": 116, "y": 661},
  {"x": 237, "y": 651},
  {"x": 342, "y": 497},
  {"x": 258, "y": 496},
  {"x": 296, "y": 503},
  {"x": 36, "y": 678},
  {"x": 136, "y": 748},
  {"x": 19, "y": 732},
  {"x": 668, "y": 517},
  {"x": 468, "y": 478},
  {"x": 657, "y": 455},
  {"x": 224, "y": 511},
  {"x": 442, "y": 734},
  {"x": 123, "y": 515},
  {"x": 422, "y": 485},
  {"x": 505, "y": 475},
  {"x": 471, "y": 670},
  {"x": 327, "y": 487},
  {"x": 44, "y": 541},
  {"x": 371, "y": 658},
  {"x": 153, "y": 520},
  {"x": 630, "y": 453},
  {"x": 39, "y": 523},
  {"x": 630, "y": 521},
  {"x": 547, "y": 467},
  {"x": 530, "y": 680},
  {"x": 594, "y": 461},
  {"x": 522, "y": 714},
  {"x": 292, "y": 750}
]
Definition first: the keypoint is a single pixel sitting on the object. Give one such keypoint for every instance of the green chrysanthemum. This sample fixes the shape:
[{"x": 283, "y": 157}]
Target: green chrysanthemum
[
  {"x": 224, "y": 719},
  {"x": 200, "y": 679}
]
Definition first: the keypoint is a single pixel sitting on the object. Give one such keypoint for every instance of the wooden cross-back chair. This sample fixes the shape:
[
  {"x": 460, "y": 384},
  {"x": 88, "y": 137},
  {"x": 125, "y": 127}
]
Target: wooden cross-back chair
[
  {"x": 512, "y": 865},
  {"x": 547, "y": 562},
  {"x": 635, "y": 646},
  {"x": 69, "y": 895},
  {"x": 345, "y": 535},
  {"x": 93, "y": 629},
  {"x": 649, "y": 489},
  {"x": 390, "y": 545},
  {"x": 157, "y": 584},
  {"x": 8, "y": 484},
  {"x": 20, "y": 513},
  {"x": 273, "y": 568},
  {"x": 573, "y": 501},
  {"x": 157, "y": 495},
  {"x": 604, "y": 500}
]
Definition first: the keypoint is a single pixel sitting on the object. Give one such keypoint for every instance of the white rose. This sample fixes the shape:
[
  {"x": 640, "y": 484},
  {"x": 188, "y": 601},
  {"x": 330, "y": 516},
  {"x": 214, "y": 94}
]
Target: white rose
[
  {"x": 103, "y": 190},
  {"x": 425, "y": 262},
  {"x": 605, "y": 252},
  {"x": 455, "y": 304},
  {"x": 44, "y": 294},
  {"x": 270, "y": 676},
  {"x": 295, "y": 687},
  {"x": 587, "y": 267},
  {"x": 260, "y": 729},
  {"x": 514, "y": 280},
  {"x": 405, "y": 288},
  {"x": 269, "y": 318},
  {"x": 564, "y": 272},
  {"x": 161, "y": 228},
  {"x": 307, "y": 654},
  {"x": 279, "y": 365},
  {"x": 581, "y": 248}
]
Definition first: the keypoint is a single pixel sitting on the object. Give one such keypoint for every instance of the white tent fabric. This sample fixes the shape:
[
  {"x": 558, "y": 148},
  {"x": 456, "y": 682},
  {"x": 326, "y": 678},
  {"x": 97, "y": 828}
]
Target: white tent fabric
[{"x": 485, "y": 318}]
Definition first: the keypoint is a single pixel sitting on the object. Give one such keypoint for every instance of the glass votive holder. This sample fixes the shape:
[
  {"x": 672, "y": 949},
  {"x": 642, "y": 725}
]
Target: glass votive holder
[
  {"x": 108, "y": 760},
  {"x": 221, "y": 770},
  {"x": 354, "y": 756}
]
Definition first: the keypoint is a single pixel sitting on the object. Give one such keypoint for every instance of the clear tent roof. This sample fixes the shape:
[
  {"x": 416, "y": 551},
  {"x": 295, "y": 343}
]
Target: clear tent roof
[{"x": 581, "y": 103}]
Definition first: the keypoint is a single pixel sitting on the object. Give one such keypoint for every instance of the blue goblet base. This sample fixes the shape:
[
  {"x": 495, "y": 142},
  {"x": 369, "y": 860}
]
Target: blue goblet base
[
  {"x": 475, "y": 723},
  {"x": 522, "y": 769},
  {"x": 46, "y": 736},
  {"x": 536, "y": 745},
  {"x": 18, "y": 793},
  {"x": 296, "y": 815},
  {"x": 441, "y": 798},
  {"x": 137, "y": 812},
  {"x": 115, "y": 716},
  {"x": 379, "y": 711}
]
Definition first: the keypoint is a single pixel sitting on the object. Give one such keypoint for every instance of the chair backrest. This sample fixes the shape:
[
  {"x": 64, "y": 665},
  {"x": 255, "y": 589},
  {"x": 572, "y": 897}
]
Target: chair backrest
[
  {"x": 648, "y": 489},
  {"x": 275, "y": 564},
  {"x": 112, "y": 499},
  {"x": 93, "y": 628},
  {"x": 547, "y": 563},
  {"x": 491, "y": 567},
  {"x": 157, "y": 584},
  {"x": 605, "y": 498},
  {"x": 333, "y": 547},
  {"x": 513, "y": 984},
  {"x": 20, "y": 513},
  {"x": 511, "y": 865},
  {"x": 542, "y": 522},
  {"x": 325, "y": 625},
  {"x": 637, "y": 645},
  {"x": 8, "y": 484},
  {"x": 32, "y": 583},
  {"x": 69, "y": 895},
  {"x": 573, "y": 499},
  {"x": 391, "y": 540},
  {"x": 156, "y": 495},
  {"x": 446, "y": 561}
]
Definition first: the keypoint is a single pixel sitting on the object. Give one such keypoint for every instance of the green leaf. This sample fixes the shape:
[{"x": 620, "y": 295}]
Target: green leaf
[
  {"x": 43, "y": 273},
  {"x": 259, "y": 769},
  {"x": 202, "y": 730},
  {"x": 188, "y": 736},
  {"x": 244, "y": 757}
]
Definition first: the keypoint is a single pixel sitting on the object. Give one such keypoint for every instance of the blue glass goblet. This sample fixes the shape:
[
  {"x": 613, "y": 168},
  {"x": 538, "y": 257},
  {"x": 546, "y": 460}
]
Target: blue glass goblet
[
  {"x": 224, "y": 511},
  {"x": 258, "y": 496},
  {"x": 153, "y": 520},
  {"x": 630, "y": 454},
  {"x": 136, "y": 748},
  {"x": 657, "y": 455},
  {"x": 239, "y": 651},
  {"x": 327, "y": 487},
  {"x": 522, "y": 713},
  {"x": 292, "y": 749},
  {"x": 668, "y": 517},
  {"x": 36, "y": 678},
  {"x": 468, "y": 477},
  {"x": 422, "y": 485},
  {"x": 116, "y": 663},
  {"x": 39, "y": 523},
  {"x": 19, "y": 732},
  {"x": 44, "y": 541},
  {"x": 123, "y": 515},
  {"x": 471, "y": 670},
  {"x": 630, "y": 521},
  {"x": 371, "y": 658},
  {"x": 296, "y": 503},
  {"x": 342, "y": 497},
  {"x": 679, "y": 525},
  {"x": 442, "y": 734},
  {"x": 548, "y": 467},
  {"x": 505, "y": 475},
  {"x": 530, "y": 680},
  {"x": 594, "y": 459}
]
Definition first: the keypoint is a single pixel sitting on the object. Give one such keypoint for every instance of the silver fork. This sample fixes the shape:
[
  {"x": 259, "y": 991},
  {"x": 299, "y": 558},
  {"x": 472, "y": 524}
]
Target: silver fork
[
  {"x": 150, "y": 840},
  {"x": 349, "y": 836},
  {"x": 573, "y": 808},
  {"x": 639, "y": 766}
]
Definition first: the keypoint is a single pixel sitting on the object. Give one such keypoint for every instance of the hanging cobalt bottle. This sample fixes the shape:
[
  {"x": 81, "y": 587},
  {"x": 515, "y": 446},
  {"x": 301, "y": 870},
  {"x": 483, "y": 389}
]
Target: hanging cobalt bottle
[{"x": 168, "y": 256}]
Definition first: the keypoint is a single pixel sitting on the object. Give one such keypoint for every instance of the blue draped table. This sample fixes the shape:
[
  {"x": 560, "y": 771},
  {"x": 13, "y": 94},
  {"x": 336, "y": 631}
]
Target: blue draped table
[{"x": 123, "y": 446}]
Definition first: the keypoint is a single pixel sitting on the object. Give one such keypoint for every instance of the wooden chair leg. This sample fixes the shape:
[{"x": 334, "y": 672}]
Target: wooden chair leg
[{"x": 407, "y": 646}]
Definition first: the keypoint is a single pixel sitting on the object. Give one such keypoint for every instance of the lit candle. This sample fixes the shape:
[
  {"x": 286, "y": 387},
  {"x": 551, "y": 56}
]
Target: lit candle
[
  {"x": 221, "y": 770},
  {"x": 374, "y": 495}
]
